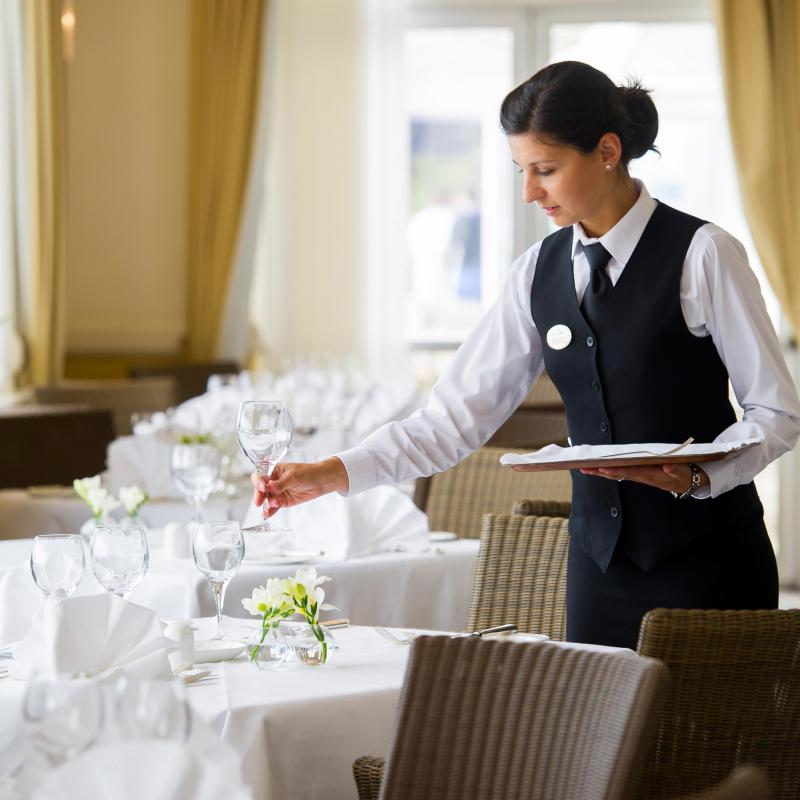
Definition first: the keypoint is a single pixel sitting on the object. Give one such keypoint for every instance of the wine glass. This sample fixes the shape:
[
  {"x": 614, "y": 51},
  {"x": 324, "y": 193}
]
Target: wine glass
[
  {"x": 195, "y": 469},
  {"x": 152, "y": 709},
  {"x": 264, "y": 432},
  {"x": 120, "y": 557},
  {"x": 218, "y": 549},
  {"x": 57, "y": 562},
  {"x": 63, "y": 717}
]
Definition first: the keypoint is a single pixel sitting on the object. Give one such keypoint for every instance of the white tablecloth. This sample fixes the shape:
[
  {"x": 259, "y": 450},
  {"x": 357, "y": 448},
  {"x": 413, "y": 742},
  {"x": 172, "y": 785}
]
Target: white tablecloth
[
  {"x": 24, "y": 514},
  {"x": 413, "y": 589}
]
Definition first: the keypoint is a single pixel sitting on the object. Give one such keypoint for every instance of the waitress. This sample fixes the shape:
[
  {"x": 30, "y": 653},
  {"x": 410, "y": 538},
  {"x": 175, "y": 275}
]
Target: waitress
[{"x": 641, "y": 314}]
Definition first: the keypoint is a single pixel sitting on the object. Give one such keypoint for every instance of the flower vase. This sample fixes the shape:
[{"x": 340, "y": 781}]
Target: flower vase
[
  {"x": 88, "y": 527},
  {"x": 134, "y": 521},
  {"x": 268, "y": 646},
  {"x": 313, "y": 645}
]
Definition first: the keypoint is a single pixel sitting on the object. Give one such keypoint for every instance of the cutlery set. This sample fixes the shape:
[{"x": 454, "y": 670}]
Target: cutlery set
[{"x": 407, "y": 637}]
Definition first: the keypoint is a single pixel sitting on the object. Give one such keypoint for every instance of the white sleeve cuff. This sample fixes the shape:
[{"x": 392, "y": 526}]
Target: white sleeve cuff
[{"x": 361, "y": 467}]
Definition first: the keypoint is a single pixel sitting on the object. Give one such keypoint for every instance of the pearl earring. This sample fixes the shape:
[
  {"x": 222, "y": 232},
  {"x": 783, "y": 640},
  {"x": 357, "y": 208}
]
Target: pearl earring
[{"x": 608, "y": 167}]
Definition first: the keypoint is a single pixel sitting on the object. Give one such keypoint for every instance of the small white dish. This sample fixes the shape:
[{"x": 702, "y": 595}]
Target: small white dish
[
  {"x": 442, "y": 536},
  {"x": 214, "y": 650},
  {"x": 284, "y": 557}
]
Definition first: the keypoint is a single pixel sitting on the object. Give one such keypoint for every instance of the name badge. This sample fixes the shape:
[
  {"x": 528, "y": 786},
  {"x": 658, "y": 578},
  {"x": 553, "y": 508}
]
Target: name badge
[{"x": 558, "y": 337}]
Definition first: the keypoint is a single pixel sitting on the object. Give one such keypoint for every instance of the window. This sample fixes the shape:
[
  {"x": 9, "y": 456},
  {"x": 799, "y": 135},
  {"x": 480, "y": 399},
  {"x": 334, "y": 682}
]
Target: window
[{"x": 459, "y": 208}]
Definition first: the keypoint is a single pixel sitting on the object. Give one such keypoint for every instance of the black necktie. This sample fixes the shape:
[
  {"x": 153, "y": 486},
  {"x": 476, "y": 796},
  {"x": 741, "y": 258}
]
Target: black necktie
[{"x": 600, "y": 286}]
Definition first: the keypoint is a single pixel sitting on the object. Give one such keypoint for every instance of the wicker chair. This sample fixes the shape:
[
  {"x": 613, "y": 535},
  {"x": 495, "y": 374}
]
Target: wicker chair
[
  {"x": 122, "y": 397},
  {"x": 456, "y": 500},
  {"x": 490, "y": 719},
  {"x": 52, "y": 444},
  {"x": 521, "y": 575},
  {"x": 745, "y": 783},
  {"x": 542, "y": 508},
  {"x": 734, "y": 699}
]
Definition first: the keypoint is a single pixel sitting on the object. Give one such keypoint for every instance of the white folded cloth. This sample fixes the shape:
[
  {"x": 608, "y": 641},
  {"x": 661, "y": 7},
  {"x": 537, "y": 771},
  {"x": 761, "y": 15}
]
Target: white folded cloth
[
  {"x": 376, "y": 521},
  {"x": 142, "y": 461},
  {"x": 142, "y": 770},
  {"x": 93, "y": 635}
]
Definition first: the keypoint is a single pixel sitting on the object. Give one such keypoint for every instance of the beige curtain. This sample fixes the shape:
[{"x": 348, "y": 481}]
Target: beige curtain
[
  {"x": 45, "y": 88},
  {"x": 760, "y": 46},
  {"x": 226, "y": 52}
]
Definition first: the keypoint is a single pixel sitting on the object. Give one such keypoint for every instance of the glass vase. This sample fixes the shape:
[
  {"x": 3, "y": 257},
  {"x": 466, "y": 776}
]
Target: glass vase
[
  {"x": 313, "y": 645},
  {"x": 268, "y": 646},
  {"x": 88, "y": 527}
]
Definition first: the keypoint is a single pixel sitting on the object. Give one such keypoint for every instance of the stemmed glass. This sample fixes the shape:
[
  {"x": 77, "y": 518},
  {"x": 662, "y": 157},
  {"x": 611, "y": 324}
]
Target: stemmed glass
[
  {"x": 57, "y": 562},
  {"x": 152, "y": 709},
  {"x": 264, "y": 432},
  {"x": 195, "y": 469},
  {"x": 62, "y": 717},
  {"x": 120, "y": 557},
  {"x": 218, "y": 549}
]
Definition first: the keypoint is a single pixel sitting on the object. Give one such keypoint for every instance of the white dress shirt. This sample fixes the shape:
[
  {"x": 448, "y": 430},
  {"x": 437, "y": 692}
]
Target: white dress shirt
[{"x": 495, "y": 367}]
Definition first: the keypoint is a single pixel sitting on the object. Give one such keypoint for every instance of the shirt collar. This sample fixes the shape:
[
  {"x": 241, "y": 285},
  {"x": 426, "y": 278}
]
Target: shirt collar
[{"x": 621, "y": 240}]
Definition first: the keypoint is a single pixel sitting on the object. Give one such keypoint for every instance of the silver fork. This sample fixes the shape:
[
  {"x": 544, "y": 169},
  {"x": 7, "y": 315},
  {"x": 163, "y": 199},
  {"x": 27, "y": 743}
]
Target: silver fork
[{"x": 403, "y": 637}]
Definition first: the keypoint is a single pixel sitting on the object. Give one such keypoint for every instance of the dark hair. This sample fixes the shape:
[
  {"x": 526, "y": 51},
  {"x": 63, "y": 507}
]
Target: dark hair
[{"x": 574, "y": 104}]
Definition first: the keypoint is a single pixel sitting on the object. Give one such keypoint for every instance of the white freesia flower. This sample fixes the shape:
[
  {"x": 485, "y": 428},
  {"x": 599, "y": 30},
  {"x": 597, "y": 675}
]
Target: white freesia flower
[
  {"x": 91, "y": 491},
  {"x": 133, "y": 498},
  {"x": 256, "y": 604}
]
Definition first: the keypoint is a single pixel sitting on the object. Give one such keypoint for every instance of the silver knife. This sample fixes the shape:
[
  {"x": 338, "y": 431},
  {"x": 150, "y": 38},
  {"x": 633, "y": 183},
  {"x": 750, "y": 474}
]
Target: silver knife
[{"x": 510, "y": 628}]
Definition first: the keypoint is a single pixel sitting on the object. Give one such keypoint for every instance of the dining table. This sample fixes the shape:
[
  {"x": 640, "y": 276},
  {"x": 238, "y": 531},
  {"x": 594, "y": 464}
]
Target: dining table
[
  {"x": 296, "y": 728},
  {"x": 426, "y": 587}
]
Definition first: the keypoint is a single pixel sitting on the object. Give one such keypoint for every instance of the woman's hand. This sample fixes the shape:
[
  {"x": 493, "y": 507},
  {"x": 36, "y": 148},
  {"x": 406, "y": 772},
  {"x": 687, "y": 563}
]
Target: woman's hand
[
  {"x": 291, "y": 484},
  {"x": 669, "y": 477}
]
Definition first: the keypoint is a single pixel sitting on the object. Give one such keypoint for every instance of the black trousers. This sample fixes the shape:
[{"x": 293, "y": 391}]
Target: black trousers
[{"x": 732, "y": 569}]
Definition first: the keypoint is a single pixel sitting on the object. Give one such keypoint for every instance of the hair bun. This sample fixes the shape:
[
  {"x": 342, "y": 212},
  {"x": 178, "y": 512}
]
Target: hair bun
[{"x": 642, "y": 129}]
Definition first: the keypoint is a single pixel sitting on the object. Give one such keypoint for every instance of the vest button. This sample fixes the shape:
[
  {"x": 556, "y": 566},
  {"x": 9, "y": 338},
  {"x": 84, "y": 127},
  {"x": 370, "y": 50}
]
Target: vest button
[
  {"x": 614, "y": 512},
  {"x": 596, "y": 385},
  {"x": 604, "y": 426},
  {"x": 590, "y": 341}
]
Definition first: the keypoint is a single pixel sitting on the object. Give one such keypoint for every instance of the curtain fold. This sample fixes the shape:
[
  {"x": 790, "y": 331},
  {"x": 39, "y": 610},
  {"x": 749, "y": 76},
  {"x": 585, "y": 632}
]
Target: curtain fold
[
  {"x": 44, "y": 68},
  {"x": 225, "y": 67},
  {"x": 760, "y": 49}
]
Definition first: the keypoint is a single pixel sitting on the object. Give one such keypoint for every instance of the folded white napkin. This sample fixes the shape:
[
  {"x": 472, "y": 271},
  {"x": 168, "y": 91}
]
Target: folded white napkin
[
  {"x": 93, "y": 635},
  {"x": 142, "y": 461},
  {"x": 375, "y": 521},
  {"x": 142, "y": 770}
]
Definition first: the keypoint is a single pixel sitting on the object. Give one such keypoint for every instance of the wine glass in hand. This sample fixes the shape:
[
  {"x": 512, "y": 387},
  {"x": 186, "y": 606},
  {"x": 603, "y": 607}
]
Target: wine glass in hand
[{"x": 264, "y": 432}]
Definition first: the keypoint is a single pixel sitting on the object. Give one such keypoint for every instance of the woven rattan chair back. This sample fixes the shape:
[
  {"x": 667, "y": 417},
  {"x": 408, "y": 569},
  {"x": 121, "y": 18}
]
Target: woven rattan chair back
[
  {"x": 122, "y": 397},
  {"x": 745, "y": 783},
  {"x": 542, "y": 508},
  {"x": 734, "y": 699},
  {"x": 501, "y": 720},
  {"x": 521, "y": 575},
  {"x": 458, "y": 498}
]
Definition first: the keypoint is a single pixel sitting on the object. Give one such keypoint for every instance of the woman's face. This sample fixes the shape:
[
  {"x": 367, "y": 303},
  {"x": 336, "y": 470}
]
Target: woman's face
[{"x": 568, "y": 185}]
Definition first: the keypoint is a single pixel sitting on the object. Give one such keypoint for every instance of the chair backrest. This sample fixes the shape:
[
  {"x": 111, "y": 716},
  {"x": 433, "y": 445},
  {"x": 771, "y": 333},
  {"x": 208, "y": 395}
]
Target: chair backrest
[
  {"x": 734, "y": 699},
  {"x": 191, "y": 379},
  {"x": 543, "y": 396},
  {"x": 52, "y": 444},
  {"x": 458, "y": 498},
  {"x": 521, "y": 575},
  {"x": 122, "y": 397},
  {"x": 501, "y": 720},
  {"x": 744, "y": 783},
  {"x": 542, "y": 508}
]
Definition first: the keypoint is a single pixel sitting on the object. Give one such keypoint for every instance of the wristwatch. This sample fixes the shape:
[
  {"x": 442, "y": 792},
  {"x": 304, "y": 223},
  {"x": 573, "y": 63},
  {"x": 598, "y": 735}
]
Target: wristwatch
[{"x": 693, "y": 486}]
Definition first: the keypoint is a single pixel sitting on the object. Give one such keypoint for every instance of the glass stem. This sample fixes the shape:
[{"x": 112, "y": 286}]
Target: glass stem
[
  {"x": 265, "y": 470},
  {"x": 197, "y": 508},
  {"x": 218, "y": 587}
]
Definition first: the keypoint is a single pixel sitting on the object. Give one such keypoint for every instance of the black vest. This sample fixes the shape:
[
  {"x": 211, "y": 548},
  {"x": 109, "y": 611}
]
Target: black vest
[{"x": 639, "y": 376}]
